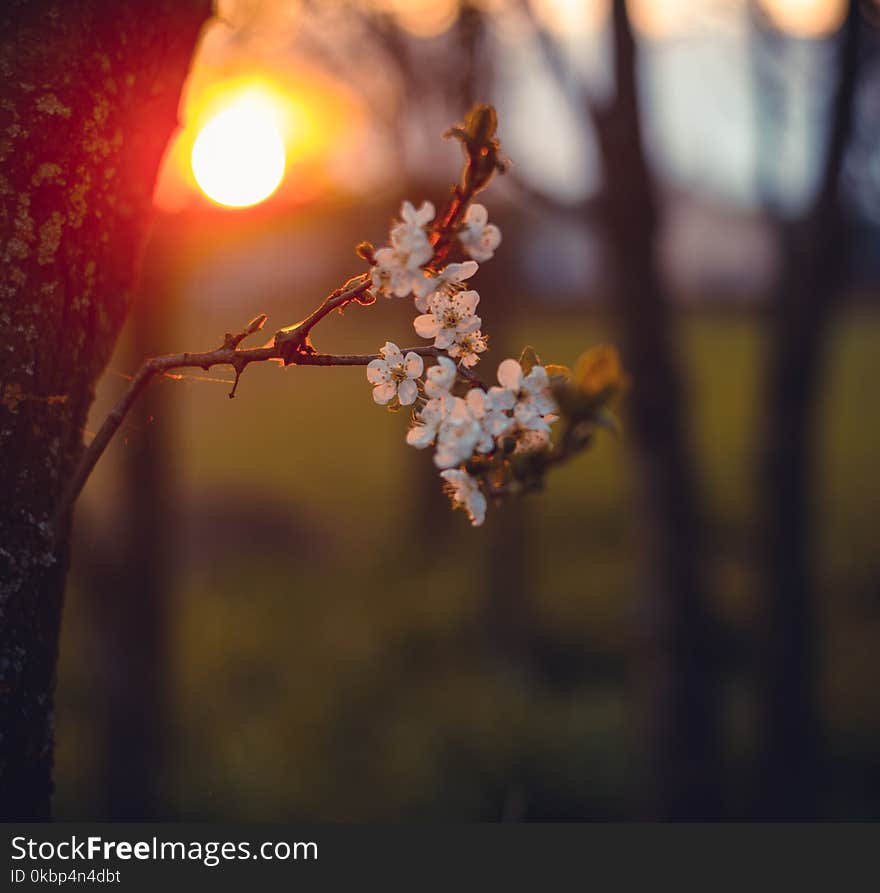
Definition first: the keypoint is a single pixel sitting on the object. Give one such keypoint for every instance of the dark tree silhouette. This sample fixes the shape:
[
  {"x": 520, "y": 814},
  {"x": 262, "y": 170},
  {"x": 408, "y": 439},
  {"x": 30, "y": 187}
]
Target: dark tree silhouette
[
  {"x": 88, "y": 101},
  {"x": 677, "y": 633},
  {"x": 815, "y": 261}
]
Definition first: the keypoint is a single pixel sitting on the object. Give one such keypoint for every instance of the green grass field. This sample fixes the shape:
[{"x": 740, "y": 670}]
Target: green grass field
[{"x": 337, "y": 666}]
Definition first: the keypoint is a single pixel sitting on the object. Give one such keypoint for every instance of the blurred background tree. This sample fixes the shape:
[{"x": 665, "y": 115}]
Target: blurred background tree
[{"x": 816, "y": 267}]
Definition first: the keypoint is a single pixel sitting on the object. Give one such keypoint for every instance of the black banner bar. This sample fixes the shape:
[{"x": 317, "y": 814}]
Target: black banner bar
[{"x": 451, "y": 857}]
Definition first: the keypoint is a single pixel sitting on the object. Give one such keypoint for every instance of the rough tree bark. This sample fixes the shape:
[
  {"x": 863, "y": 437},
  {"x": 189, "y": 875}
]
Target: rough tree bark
[
  {"x": 679, "y": 673},
  {"x": 815, "y": 262},
  {"x": 88, "y": 100}
]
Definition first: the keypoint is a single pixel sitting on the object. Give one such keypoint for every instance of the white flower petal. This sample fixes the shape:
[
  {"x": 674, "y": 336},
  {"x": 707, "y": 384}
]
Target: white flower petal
[
  {"x": 423, "y": 286},
  {"x": 408, "y": 212},
  {"x": 501, "y": 398},
  {"x": 391, "y": 352},
  {"x": 499, "y": 424},
  {"x": 407, "y": 391},
  {"x": 477, "y": 214},
  {"x": 420, "y": 436},
  {"x": 476, "y": 401},
  {"x": 462, "y": 271},
  {"x": 544, "y": 404},
  {"x": 377, "y": 371},
  {"x": 466, "y": 302},
  {"x": 447, "y": 366},
  {"x": 423, "y": 302},
  {"x": 510, "y": 374},
  {"x": 444, "y": 339},
  {"x": 486, "y": 443},
  {"x": 440, "y": 378},
  {"x": 425, "y": 214},
  {"x": 536, "y": 380},
  {"x": 445, "y": 456},
  {"x": 420, "y": 254},
  {"x": 476, "y": 508},
  {"x": 491, "y": 237},
  {"x": 427, "y": 325},
  {"x": 414, "y": 365},
  {"x": 384, "y": 393},
  {"x": 537, "y": 423},
  {"x": 468, "y": 324}
]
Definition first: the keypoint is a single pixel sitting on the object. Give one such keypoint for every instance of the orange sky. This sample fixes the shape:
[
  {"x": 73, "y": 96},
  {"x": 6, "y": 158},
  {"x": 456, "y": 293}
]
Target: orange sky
[{"x": 321, "y": 122}]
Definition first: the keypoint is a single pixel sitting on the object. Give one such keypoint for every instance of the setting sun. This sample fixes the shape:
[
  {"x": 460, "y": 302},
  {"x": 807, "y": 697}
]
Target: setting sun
[{"x": 238, "y": 156}]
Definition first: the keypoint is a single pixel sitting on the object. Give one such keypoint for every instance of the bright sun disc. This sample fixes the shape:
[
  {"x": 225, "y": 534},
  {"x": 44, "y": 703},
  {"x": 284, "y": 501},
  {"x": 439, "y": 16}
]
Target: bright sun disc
[{"x": 238, "y": 156}]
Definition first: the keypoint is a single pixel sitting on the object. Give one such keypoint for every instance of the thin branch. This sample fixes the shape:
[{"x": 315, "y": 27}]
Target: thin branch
[
  {"x": 239, "y": 359},
  {"x": 292, "y": 345},
  {"x": 362, "y": 359},
  {"x": 294, "y": 340}
]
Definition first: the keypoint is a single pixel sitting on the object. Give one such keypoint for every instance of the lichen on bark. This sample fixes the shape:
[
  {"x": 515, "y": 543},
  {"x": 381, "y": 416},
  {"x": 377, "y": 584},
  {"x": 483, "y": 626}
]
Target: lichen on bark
[{"x": 88, "y": 99}]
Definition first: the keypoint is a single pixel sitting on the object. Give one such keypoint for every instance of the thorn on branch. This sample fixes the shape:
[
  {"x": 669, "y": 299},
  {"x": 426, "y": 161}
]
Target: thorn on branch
[{"x": 239, "y": 367}]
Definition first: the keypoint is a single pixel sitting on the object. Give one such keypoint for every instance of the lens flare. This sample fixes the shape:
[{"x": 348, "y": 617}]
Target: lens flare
[{"x": 238, "y": 156}]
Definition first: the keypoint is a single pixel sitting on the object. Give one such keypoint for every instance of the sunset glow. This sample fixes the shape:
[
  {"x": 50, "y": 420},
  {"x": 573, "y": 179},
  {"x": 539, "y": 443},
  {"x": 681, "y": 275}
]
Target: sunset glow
[
  {"x": 238, "y": 157},
  {"x": 806, "y": 18},
  {"x": 248, "y": 136}
]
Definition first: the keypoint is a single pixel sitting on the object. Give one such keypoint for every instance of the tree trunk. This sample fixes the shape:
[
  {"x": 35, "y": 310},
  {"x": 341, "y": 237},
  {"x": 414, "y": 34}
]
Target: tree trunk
[
  {"x": 678, "y": 669},
  {"x": 800, "y": 315},
  {"x": 88, "y": 101}
]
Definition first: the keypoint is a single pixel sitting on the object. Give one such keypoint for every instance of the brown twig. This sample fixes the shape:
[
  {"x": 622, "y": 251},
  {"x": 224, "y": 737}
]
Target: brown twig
[
  {"x": 292, "y": 345},
  {"x": 361, "y": 359},
  {"x": 295, "y": 340},
  {"x": 239, "y": 359}
]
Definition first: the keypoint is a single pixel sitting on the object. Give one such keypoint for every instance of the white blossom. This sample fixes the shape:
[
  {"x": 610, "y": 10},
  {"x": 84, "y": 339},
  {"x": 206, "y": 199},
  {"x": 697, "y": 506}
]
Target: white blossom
[
  {"x": 534, "y": 406},
  {"x": 409, "y": 238},
  {"x": 521, "y": 407},
  {"x": 424, "y": 432},
  {"x": 465, "y": 492},
  {"x": 398, "y": 269},
  {"x": 415, "y": 219},
  {"x": 528, "y": 440},
  {"x": 458, "y": 436},
  {"x": 468, "y": 347},
  {"x": 449, "y": 317},
  {"x": 394, "y": 375},
  {"x": 449, "y": 279},
  {"x": 439, "y": 381},
  {"x": 440, "y": 378},
  {"x": 478, "y": 237},
  {"x": 492, "y": 411}
]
